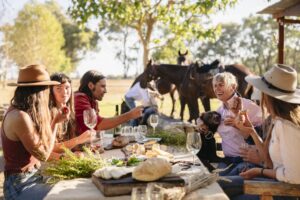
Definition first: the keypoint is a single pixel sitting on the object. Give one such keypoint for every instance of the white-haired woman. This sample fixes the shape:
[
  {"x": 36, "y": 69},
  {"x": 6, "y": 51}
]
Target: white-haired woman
[{"x": 225, "y": 88}]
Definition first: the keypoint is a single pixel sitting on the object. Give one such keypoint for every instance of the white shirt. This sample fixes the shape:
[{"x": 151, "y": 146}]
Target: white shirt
[
  {"x": 284, "y": 151},
  {"x": 232, "y": 137},
  {"x": 141, "y": 94}
]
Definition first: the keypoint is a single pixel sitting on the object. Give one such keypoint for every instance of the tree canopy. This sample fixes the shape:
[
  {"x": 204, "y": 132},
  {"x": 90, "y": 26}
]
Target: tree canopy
[
  {"x": 36, "y": 37},
  {"x": 185, "y": 20},
  {"x": 77, "y": 40},
  {"x": 253, "y": 43}
]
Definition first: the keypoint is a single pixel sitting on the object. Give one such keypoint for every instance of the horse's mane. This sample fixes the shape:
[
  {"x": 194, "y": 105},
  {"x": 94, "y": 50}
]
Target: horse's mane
[{"x": 137, "y": 79}]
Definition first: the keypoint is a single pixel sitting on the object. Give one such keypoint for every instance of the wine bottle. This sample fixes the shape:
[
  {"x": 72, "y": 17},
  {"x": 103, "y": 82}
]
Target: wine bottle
[{"x": 117, "y": 128}]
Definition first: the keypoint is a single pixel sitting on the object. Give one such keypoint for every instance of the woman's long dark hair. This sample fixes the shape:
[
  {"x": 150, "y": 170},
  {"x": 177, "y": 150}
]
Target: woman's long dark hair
[
  {"x": 34, "y": 101},
  {"x": 68, "y": 132}
]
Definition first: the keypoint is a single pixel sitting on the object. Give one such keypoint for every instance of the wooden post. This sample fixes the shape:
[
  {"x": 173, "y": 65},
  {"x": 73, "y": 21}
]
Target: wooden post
[{"x": 280, "y": 40}]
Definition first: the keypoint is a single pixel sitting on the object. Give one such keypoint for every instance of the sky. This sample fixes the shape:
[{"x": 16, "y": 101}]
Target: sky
[{"x": 104, "y": 60}]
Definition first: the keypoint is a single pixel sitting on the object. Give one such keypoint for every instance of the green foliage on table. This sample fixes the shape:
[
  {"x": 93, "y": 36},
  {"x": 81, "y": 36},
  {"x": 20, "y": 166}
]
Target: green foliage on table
[
  {"x": 71, "y": 166},
  {"x": 169, "y": 138},
  {"x": 132, "y": 161}
]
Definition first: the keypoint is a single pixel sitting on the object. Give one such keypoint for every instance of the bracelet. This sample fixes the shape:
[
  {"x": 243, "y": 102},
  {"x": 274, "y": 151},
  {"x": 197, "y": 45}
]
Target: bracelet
[{"x": 262, "y": 171}]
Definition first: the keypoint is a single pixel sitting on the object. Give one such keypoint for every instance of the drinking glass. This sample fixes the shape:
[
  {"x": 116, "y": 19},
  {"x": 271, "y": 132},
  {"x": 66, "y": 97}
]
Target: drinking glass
[
  {"x": 193, "y": 143},
  {"x": 136, "y": 133},
  {"x": 245, "y": 146},
  {"x": 90, "y": 120},
  {"x": 153, "y": 121},
  {"x": 143, "y": 131},
  {"x": 127, "y": 130}
]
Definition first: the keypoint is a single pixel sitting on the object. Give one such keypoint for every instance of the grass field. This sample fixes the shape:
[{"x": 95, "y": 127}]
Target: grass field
[{"x": 115, "y": 93}]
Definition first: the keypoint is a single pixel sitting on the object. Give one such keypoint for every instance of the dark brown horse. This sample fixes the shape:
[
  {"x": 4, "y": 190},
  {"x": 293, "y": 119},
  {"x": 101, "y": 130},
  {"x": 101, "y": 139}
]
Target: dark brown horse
[{"x": 176, "y": 74}]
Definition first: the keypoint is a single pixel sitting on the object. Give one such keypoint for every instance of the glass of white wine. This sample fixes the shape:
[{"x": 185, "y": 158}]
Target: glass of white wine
[
  {"x": 90, "y": 120},
  {"x": 193, "y": 143},
  {"x": 153, "y": 121}
]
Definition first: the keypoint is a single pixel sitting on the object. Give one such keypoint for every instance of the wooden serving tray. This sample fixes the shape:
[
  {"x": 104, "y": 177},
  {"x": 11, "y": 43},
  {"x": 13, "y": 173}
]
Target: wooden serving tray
[{"x": 123, "y": 186}]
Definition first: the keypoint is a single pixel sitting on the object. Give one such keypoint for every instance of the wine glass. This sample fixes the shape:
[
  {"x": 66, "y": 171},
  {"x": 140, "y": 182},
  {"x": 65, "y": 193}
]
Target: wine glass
[
  {"x": 153, "y": 121},
  {"x": 90, "y": 120},
  {"x": 193, "y": 143},
  {"x": 143, "y": 131}
]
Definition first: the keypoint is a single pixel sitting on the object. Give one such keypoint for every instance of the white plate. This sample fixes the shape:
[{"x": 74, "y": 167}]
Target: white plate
[{"x": 150, "y": 139}]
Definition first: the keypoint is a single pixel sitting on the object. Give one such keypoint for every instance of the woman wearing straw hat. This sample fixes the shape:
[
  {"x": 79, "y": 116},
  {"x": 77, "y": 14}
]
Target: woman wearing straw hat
[
  {"x": 28, "y": 134},
  {"x": 281, "y": 98}
]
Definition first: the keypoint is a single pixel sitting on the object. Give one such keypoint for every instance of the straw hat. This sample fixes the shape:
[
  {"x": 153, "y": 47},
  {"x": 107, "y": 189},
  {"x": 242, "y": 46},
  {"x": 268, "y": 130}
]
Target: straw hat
[
  {"x": 279, "y": 82},
  {"x": 33, "y": 75}
]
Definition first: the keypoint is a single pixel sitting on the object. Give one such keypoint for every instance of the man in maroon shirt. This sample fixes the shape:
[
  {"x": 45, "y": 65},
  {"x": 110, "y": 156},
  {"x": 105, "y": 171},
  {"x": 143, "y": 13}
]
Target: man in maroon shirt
[{"x": 92, "y": 89}]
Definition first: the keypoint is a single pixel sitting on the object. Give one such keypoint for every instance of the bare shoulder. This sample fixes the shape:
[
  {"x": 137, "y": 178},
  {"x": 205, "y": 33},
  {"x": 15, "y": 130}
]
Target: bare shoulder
[{"x": 21, "y": 119}]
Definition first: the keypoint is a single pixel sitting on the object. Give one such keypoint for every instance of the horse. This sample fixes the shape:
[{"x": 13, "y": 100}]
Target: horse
[{"x": 176, "y": 74}]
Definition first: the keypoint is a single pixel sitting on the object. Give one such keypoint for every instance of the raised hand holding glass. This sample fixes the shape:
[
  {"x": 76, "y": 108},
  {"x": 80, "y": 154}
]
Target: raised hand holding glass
[{"x": 90, "y": 120}]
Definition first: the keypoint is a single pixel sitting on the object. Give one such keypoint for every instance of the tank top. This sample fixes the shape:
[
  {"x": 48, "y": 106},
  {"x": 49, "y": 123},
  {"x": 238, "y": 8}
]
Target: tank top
[{"x": 17, "y": 158}]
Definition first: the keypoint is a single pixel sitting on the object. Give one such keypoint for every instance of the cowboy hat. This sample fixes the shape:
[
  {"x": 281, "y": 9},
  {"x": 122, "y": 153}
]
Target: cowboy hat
[
  {"x": 279, "y": 82},
  {"x": 33, "y": 75}
]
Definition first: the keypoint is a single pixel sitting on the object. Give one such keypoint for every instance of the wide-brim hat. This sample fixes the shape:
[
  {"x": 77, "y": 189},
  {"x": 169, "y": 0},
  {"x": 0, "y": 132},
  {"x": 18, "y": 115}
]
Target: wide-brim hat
[
  {"x": 33, "y": 75},
  {"x": 279, "y": 82}
]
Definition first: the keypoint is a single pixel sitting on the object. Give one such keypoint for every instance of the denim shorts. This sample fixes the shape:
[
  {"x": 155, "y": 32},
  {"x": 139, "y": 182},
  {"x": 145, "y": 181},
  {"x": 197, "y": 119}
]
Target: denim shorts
[{"x": 27, "y": 185}]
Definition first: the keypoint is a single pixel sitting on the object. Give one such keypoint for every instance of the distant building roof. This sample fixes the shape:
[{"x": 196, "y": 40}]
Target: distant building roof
[{"x": 283, "y": 8}]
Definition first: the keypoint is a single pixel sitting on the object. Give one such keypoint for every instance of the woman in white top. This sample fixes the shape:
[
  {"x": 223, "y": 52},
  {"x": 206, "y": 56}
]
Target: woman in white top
[{"x": 281, "y": 98}]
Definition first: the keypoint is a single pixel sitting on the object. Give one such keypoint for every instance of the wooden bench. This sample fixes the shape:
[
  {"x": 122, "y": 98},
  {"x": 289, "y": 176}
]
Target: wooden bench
[{"x": 267, "y": 189}]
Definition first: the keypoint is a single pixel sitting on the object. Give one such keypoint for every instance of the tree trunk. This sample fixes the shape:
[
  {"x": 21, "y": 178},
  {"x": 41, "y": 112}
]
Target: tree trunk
[{"x": 145, "y": 55}]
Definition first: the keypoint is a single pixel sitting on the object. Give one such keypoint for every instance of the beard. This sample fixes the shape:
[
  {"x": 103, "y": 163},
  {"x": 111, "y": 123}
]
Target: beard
[{"x": 98, "y": 97}]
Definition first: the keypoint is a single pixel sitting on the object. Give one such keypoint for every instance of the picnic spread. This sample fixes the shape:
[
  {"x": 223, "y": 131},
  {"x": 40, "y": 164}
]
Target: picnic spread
[{"x": 138, "y": 165}]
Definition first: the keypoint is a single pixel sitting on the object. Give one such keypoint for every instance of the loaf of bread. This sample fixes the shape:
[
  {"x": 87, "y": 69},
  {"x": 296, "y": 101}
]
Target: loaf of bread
[{"x": 152, "y": 169}]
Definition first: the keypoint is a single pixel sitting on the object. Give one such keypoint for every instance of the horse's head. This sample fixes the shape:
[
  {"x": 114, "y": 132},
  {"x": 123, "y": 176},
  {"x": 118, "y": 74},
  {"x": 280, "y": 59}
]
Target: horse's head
[
  {"x": 151, "y": 72},
  {"x": 181, "y": 57}
]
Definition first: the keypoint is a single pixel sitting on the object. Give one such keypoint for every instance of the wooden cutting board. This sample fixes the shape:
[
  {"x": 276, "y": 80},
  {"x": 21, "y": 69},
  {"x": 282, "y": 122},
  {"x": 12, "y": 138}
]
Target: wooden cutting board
[{"x": 124, "y": 185}]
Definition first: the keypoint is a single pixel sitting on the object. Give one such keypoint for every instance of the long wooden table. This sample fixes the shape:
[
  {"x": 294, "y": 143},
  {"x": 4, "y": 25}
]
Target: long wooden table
[{"x": 84, "y": 189}]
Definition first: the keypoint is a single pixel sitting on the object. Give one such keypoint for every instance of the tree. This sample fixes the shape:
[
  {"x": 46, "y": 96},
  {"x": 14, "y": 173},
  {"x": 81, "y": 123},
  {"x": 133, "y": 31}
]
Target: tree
[
  {"x": 292, "y": 46},
  {"x": 77, "y": 40},
  {"x": 259, "y": 44},
  {"x": 225, "y": 47},
  {"x": 184, "y": 19},
  {"x": 37, "y": 37},
  {"x": 124, "y": 51}
]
